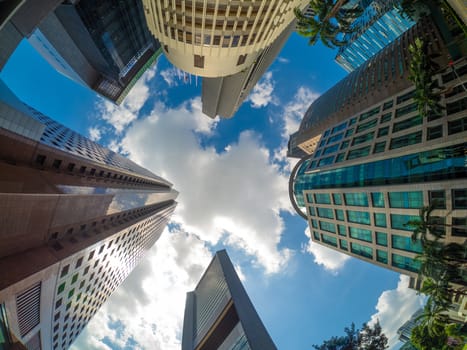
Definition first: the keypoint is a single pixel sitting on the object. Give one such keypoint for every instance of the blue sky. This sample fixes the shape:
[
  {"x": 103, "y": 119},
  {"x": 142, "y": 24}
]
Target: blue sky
[{"x": 232, "y": 177}]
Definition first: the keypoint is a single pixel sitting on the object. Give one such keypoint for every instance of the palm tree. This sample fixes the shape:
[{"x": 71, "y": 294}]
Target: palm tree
[
  {"x": 426, "y": 224},
  {"x": 328, "y": 22},
  {"x": 438, "y": 290},
  {"x": 433, "y": 318}
]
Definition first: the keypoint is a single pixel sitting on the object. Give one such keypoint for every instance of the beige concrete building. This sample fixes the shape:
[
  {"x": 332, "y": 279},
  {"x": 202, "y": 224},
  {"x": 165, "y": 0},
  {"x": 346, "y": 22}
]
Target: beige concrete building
[{"x": 216, "y": 38}]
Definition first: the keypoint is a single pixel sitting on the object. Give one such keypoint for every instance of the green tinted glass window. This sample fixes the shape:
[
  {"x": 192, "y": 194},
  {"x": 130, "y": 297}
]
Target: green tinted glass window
[
  {"x": 340, "y": 157},
  {"x": 345, "y": 144},
  {"x": 61, "y": 288},
  {"x": 74, "y": 279},
  {"x": 387, "y": 105},
  {"x": 378, "y": 199},
  {"x": 309, "y": 198},
  {"x": 361, "y": 234},
  {"x": 342, "y": 230},
  {"x": 359, "y": 152},
  {"x": 325, "y": 213},
  {"x": 331, "y": 149},
  {"x": 406, "y": 109},
  {"x": 340, "y": 215},
  {"x": 337, "y": 197},
  {"x": 363, "y": 138},
  {"x": 434, "y": 132},
  {"x": 380, "y": 219},
  {"x": 400, "y": 222},
  {"x": 386, "y": 117},
  {"x": 349, "y": 132},
  {"x": 329, "y": 240},
  {"x": 383, "y": 131},
  {"x": 408, "y": 123},
  {"x": 70, "y": 293},
  {"x": 369, "y": 114},
  {"x": 314, "y": 223},
  {"x": 405, "y": 243},
  {"x": 382, "y": 256},
  {"x": 361, "y": 250},
  {"x": 382, "y": 239},
  {"x": 406, "y": 140},
  {"x": 316, "y": 235},
  {"x": 322, "y": 198},
  {"x": 356, "y": 199},
  {"x": 379, "y": 147},
  {"x": 311, "y": 211},
  {"x": 359, "y": 217},
  {"x": 405, "y": 263},
  {"x": 344, "y": 244},
  {"x": 327, "y": 226},
  {"x": 326, "y": 161},
  {"x": 367, "y": 125},
  {"x": 411, "y": 199}
]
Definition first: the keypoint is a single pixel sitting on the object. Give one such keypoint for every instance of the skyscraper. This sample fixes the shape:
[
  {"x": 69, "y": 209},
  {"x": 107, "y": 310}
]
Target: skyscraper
[
  {"x": 75, "y": 219},
  {"x": 219, "y": 314},
  {"x": 217, "y": 38},
  {"x": 373, "y": 161},
  {"x": 105, "y": 45},
  {"x": 379, "y": 25}
]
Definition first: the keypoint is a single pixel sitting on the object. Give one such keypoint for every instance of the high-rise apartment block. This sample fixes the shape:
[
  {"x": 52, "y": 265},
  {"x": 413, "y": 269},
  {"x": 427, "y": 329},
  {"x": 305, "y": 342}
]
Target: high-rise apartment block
[
  {"x": 216, "y": 38},
  {"x": 219, "y": 315},
  {"x": 75, "y": 219},
  {"x": 379, "y": 25},
  {"x": 373, "y": 161}
]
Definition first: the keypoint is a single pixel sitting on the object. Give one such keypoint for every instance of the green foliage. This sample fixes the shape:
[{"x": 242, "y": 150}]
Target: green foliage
[
  {"x": 329, "y": 23},
  {"x": 368, "y": 338},
  {"x": 422, "y": 339}
]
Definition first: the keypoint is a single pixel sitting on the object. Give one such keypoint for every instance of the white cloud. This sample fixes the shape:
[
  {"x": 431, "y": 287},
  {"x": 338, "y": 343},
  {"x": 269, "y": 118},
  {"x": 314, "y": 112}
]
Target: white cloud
[
  {"x": 148, "y": 308},
  {"x": 95, "y": 133},
  {"x": 283, "y": 59},
  {"x": 330, "y": 259},
  {"x": 235, "y": 196},
  {"x": 395, "y": 307},
  {"x": 261, "y": 95},
  {"x": 170, "y": 76}
]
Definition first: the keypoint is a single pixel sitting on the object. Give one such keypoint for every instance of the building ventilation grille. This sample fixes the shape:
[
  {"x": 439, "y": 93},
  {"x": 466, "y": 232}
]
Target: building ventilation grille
[
  {"x": 35, "y": 342},
  {"x": 28, "y": 308}
]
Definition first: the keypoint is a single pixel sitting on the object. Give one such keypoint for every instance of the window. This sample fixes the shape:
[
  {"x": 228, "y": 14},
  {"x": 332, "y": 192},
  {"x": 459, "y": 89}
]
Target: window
[
  {"x": 358, "y": 217},
  {"x": 338, "y": 128},
  {"x": 61, "y": 288},
  {"x": 400, "y": 222},
  {"x": 387, "y": 105},
  {"x": 340, "y": 215},
  {"x": 459, "y": 199},
  {"x": 331, "y": 149},
  {"x": 407, "y": 123},
  {"x": 314, "y": 223},
  {"x": 368, "y": 125},
  {"x": 79, "y": 262},
  {"x": 438, "y": 199},
  {"x": 405, "y": 97},
  {"x": 349, "y": 132},
  {"x": 322, "y": 198},
  {"x": 64, "y": 271},
  {"x": 379, "y": 147},
  {"x": 325, "y": 213},
  {"x": 459, "y": 227},
  {"x": 241, "y": 59},
  {"x": 382, "y": 239},
  {"x": 356, "y": 199},
  {"x": 316, "y": 235},
  {"x": 385, "y": 118},
  {"x": 342, "y": 230},
  {"x": 382, "y": 256},
  {"x": 345, "y": 144},
  {"x": 329, "y": 240},
  {"x": 380, "y": 219},
  {"x": 405, "y": 263},
  {"x": 56, "y": 164},
  {"x": 457, "y": 126},
  {"x": 361, "y": 234},
  {"x": 413, "y": 199},
  {"x": 435, "y": 132},
  {"x": 199, "y": 61},
  {"x": 359, "y": 152},
  {"x": 344, "y": 244},
  {"x": 326, "y": 161},
  {"x": 309, "y": 198},
  {"x": 335, "y": 138},
  {"x": 70, "y": 293},
  {"x": 456, "y": 106},
  {"x": 352, "y": 121},
  {"x": 337, "y": 198},
  {"x": 58, "y": 303},
  {"x": 406, "y": 140},
  {"x": 82, "y": 170},
  {"x": 74, "y": 279},
  {"x": 311, "y": 211},
  {"x": 406, "y": 109},
  {"x": 363, "y": 138},
  {"x": 361, "y": 250},
  {"x": 369, "y": 114},
  {"x": 378, "y": 199},
  {"x": 340, "y": 157},
  {"x": 383, "y": 131},
  {"x": 327, "y": 226}
]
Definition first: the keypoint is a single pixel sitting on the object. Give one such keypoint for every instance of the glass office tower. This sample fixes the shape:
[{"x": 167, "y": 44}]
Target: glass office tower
[
  {"x": 75, "y": 219},
  {"x": 219, "y": 315}
]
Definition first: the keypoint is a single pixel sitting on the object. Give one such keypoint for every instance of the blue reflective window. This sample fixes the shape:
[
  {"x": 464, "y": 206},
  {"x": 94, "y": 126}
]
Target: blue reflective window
[
  {"x": 361, "y": 234},
  {"x": 382, "y": 239},
  {"x": 359, "y": 217},
  {"x": 327, "y": 226},
  {"x": 331, "y": 149},
  {"x": 380, "y": 219},
  {"x": 412, "y": 199},
  {"x": 399, "y": 221},
  {"x": 337, "y": 197},
  {"x": 378, "y": 199},
  {"x": 326, "y": 161},
  {"x": 325, "y": 213},
  {"x": 358, "y": 153},
  {"x": 382, "y": 256},
  {"x": 322, "y": 198},
  {"x": 405, "y": 243},
  {"x": 340, "y": 215},
  {"x": 405, "y": 263},
  {"x": 356, "y": 199},
  {"x": 406, "y": 140},
  {"x": 339, "y": 127},
  {"x": 329, "y": 240},
  {"x": 340, "y": 157},
  {"x": 335, "y": 138},
  {"x": 361, "y": 250}
]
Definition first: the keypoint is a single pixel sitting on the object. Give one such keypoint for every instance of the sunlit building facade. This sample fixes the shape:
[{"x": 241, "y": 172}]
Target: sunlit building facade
[
  {"x": 75, "y": 217},
  {"x": 103, "y": 45},
  {"x": 216, "y": 38},
  {"x": 219, "y": 315},
  {"x": 379, "y": 25},
  {"x": 370, "y": 173}
]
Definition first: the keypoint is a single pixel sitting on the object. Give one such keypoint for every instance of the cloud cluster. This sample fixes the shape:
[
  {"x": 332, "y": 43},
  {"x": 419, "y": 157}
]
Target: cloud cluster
[
  {"x": 146, "y": 312},
  {"x": 330, "y": 259},
  {"x": 262, "y": 93},
  {"x": 395, "y": 307}
]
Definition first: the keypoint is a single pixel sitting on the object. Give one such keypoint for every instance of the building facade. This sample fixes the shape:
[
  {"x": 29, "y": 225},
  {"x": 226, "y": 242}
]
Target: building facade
[
  {"x": 219, "y": 314},
  {"x": 104, "y": 45},
  {"x": 379, "y": 25},
  {"x": 75, "y": 219},
  {"x": 371, "y": 172},
  {"x": 217, "y": 38}
]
